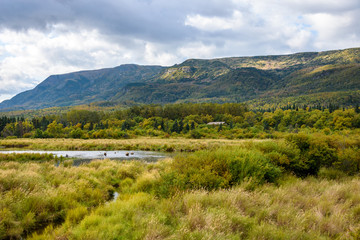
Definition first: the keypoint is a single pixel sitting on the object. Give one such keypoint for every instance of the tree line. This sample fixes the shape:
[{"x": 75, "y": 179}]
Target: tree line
[{"x": 186, "y": 119}]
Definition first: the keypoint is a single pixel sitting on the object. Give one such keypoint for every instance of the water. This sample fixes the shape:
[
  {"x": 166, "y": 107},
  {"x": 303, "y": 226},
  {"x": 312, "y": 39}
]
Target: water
[
  {"x": 116, "y": 195},
  {"x": 87, "y": 156}
]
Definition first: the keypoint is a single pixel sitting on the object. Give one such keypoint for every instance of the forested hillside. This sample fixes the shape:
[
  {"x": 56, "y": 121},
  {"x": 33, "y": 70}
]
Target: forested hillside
[{"x": 322, "y": 78}]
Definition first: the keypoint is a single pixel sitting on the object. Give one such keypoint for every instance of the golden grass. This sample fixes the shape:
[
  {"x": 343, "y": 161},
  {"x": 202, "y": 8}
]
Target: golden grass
[
  {"x": 34, "y": 195},
  {"x": 297, "y": 209},
  {"x": 153, "y": 144}
]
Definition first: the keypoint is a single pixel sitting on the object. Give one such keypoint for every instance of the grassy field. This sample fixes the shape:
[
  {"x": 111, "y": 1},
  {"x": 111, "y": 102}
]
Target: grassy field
[
  {"x": 296, "y": 209},
  {"x": 301, "y": 187},
  {"x": 153, "y": 144}
]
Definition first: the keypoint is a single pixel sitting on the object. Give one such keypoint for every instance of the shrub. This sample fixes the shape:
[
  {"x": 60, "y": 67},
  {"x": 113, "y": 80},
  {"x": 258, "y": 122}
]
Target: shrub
[
  {"x": 322, "y": 154},
  {"x": 331, "y": 173},
  {"x": 197, "y": 134},
  {"x": 282, "y": 154},
  {"x": 252, "y": 165},
  {"x": 214, "y": 169},
  {"x": 314, "y": 153},
  {"x": 76, "y": 133},
  {"x": 349, "y": 160},
  {"x": 301, "y": 140}
]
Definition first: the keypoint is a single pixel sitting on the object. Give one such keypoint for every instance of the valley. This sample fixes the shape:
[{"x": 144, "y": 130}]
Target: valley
[{"x": 243, "y": 148}]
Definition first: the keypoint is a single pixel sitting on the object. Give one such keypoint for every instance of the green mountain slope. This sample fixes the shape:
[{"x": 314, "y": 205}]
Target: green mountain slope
[
  {"x": 324, "y": 77},
  {"x": 273, "y": 78},
  {"x": 80, "y": 87}
]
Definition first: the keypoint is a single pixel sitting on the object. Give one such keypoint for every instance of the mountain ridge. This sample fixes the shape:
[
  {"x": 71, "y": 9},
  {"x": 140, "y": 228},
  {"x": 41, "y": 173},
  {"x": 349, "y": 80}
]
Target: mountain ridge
[{"x": 231, "y": 79}]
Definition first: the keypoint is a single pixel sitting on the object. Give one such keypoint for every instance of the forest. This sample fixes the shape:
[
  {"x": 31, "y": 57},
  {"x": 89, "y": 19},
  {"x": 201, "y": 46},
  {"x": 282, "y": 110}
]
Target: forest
[{"x": 188, "y": 120}]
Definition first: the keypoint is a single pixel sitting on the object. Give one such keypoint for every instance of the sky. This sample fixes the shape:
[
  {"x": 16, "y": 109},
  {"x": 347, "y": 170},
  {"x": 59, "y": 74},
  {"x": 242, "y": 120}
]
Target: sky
[{"x": 39, "y": 38}]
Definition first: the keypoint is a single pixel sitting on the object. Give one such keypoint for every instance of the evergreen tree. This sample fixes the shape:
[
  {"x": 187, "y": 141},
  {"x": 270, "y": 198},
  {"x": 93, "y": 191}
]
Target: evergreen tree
[
  {"x": 187, "y": 127},
  {"x": 125, "y": 125},
  {"x": 175, "y": 127},
  {"x": 44, "y": 123},
  {"x": 181, "y": 126},
  {"x": 357, "y": 109},
  {"x": 155, "y": 124}
]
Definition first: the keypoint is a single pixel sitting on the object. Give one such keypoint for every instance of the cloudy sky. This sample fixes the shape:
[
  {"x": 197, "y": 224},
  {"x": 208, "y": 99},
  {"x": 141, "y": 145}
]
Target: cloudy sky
[{"x": 43, "y": 37}]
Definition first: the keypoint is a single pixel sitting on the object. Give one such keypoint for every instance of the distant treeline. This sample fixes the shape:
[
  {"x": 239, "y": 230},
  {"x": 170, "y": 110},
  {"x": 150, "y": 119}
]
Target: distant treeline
[{"x": 187, "y": 119}]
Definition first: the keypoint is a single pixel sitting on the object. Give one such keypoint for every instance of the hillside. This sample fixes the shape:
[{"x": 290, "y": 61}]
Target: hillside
[
  {"x": 316, "y": 78},
  {"x": 80, "y": 87}
]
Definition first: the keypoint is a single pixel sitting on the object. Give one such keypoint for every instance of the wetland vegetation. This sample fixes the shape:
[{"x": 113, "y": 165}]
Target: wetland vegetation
[{"x": 283, "y": 174}]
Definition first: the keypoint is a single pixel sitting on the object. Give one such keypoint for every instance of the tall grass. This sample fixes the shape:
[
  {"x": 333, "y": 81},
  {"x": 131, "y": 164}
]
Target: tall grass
[
  {"x": 35, "y": 195},
  {"x": 26, "y": 157},
  {"x": 297, "y": 209},
  {"x": 248, "y": 190},
  {"x": 149, "y": 144}
]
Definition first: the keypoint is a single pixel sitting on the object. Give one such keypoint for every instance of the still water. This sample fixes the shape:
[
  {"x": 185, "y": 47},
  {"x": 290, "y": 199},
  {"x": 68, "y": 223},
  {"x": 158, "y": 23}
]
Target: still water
[{"x": 89, "y": 155}]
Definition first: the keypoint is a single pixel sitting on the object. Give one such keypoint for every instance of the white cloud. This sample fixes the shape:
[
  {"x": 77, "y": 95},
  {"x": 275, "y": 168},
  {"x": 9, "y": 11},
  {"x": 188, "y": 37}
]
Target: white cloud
[
  {"x": 5, "y": 96},
  {"x": 29, "y": 57},
  {"x": 212, "y": 24},
  {"x": 321, "y": 6},
  {"x": 154, "y": 55},
  {"x": 334, "y": 30},
  {"x": 39, "y": 38},
  {"x": 300, "y": 39},
  {"x": 197, "y": 50},
  {"x": 328, "y": 25}
]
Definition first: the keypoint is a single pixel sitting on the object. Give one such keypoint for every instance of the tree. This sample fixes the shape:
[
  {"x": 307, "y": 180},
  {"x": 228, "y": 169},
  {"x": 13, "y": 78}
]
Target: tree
[
  {"x": 181, "y": 126},
  {"x": 357, "y": 109},
  {"x": 55, "y": 129},
  {"x": 187, "y": 127},
  {"x": 175, "y": 127}
]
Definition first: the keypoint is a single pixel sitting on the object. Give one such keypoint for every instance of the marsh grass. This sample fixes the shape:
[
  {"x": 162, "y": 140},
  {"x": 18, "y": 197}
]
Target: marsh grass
[
  {"x": 297, "y": 209},
  {"x": 35, "y": 195},
  {"x": 226, "y": 190},
  {"x": 27, "y": 157},
  {"x": 149, "y": 144}
]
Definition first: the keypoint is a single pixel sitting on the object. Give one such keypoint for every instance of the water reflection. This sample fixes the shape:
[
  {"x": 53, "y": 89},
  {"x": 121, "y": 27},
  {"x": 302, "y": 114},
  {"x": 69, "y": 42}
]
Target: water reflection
[{"x": 87, "y": 156}]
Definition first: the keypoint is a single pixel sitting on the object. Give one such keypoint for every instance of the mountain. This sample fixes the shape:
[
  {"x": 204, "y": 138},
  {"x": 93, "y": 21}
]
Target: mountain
[
  {"x": 81, "y": 87},
  {"x": 308, "y": 78}
]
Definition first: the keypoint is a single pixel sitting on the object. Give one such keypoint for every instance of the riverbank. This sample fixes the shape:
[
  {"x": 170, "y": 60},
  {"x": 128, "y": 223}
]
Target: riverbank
[{"x": 145, "y": 144}]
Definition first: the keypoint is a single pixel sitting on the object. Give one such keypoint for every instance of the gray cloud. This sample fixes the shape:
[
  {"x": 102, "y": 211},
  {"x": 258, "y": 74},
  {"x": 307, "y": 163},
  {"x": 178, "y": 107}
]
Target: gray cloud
[
  {"x": 162, "y": 21},
  {"x": 39, "y": 38}
]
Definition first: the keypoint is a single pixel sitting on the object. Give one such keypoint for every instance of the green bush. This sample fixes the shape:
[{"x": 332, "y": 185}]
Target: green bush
[
  {"x": 252, "y": 165},
  {"x": 214, "y": 169},
  {"x": 304, "y": 166},
  {"x": 76, "y": 133},
  {"x": 314, "y": 154},
  {"x": 349, "y": 160},
  {"x": 197, "y": 134},
  {"x": 331, "y": 173},
  {"x": 282, "y": 154},
  {"x": 301, "y": 140},
  {"x": 322, "y": 154}
]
